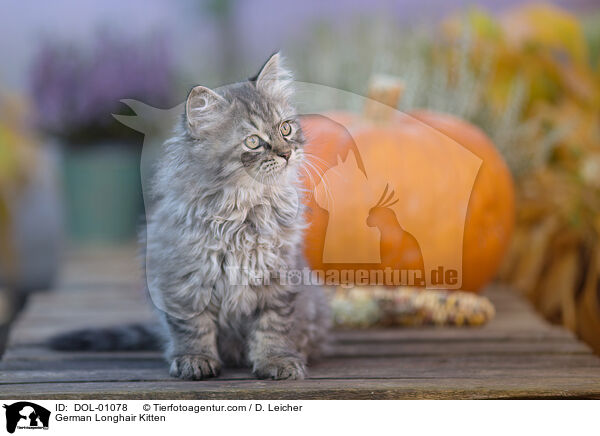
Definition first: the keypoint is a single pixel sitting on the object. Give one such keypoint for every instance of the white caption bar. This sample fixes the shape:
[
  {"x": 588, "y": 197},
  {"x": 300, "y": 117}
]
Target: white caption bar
[{"x": 308, "y": 418}]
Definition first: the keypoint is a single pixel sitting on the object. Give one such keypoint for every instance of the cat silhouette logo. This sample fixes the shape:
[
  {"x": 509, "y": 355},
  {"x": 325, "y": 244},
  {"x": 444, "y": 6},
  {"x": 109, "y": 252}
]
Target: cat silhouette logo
[{"x": 26, "y": 415}]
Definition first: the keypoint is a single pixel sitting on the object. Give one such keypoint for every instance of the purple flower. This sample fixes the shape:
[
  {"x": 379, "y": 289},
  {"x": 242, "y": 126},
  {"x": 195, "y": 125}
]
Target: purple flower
[{"x": 76, "y": 88}]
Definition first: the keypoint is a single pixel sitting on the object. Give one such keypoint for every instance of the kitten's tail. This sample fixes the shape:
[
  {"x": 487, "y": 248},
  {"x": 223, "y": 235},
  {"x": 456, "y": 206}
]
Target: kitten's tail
[{"x": 132, "y": 337}]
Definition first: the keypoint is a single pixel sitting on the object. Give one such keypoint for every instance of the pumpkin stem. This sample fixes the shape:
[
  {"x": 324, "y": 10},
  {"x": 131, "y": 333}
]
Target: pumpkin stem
[{"x": 383, "y": 96}]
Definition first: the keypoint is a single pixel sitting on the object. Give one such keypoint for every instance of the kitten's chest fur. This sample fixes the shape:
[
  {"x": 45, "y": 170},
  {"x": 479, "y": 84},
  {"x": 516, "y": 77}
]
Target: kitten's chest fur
[{"x": 249, "y": 249}]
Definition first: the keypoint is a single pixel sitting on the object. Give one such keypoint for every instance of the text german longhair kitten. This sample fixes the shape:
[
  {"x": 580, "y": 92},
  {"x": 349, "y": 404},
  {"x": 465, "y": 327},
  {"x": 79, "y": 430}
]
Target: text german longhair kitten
[{"x": 226, "y": 221}]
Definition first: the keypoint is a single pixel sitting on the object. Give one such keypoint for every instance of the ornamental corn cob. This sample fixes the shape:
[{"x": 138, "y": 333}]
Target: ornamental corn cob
[{"x": 376, "y": 306}]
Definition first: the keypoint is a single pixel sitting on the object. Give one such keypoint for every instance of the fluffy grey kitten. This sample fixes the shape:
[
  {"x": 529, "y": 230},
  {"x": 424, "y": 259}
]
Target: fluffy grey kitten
[{"x": 226, "y": 222}]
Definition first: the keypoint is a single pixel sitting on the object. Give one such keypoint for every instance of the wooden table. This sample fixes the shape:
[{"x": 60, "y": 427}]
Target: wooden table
[{"x": 517, "y": 355}]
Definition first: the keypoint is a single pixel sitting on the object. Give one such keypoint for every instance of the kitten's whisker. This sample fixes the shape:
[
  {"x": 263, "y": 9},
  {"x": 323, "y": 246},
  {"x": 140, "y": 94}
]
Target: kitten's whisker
[
  {"x": 325, "y": 182},
  {"x": 312, "y": 181},
  {"x": 314, "y": 156},
  {"x": 321, "y": 161},
  {"x": 327, "y": 193}
]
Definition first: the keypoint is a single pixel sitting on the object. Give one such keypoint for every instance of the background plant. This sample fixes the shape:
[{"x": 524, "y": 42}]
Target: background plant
[{"x": 76, "y": 88}]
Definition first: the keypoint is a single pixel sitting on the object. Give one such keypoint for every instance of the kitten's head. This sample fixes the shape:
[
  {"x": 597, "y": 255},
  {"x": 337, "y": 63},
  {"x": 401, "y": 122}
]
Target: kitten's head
[{"x": 247, "y": 129}]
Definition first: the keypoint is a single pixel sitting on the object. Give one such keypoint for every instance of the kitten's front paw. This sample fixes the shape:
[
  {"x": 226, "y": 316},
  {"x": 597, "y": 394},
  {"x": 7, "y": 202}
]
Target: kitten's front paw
[
  {"x": 280, "y": 368},
  {"x": 194, "y": 367}
]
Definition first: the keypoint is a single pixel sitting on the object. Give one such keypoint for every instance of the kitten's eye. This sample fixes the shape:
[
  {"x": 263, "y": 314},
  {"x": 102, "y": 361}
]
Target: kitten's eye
[
  {"x": 285, "y": 128},
  {"x": 252, "y": 142}
]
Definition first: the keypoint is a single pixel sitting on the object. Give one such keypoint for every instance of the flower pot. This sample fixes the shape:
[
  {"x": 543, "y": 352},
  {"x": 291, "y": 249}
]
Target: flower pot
[{"x": 103, "y": 192}]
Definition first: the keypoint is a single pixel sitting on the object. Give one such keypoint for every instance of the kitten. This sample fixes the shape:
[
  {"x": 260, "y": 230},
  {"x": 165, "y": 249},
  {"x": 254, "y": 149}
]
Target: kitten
[{"x": 227, "y": 219}]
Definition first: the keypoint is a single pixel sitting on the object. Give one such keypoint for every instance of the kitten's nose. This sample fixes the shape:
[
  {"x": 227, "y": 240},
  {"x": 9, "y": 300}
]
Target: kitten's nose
[{"x": 285, "y": 154}]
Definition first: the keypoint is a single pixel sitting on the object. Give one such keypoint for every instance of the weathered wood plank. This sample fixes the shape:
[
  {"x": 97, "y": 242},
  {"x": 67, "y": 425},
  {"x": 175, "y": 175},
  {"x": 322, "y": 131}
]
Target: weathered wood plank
[
  {"x": 460, "y": 388},
  {"x": 449, "y": 334},
  {"x": 480, "y": 367},
  {"x": 457, "y": 348},
  {"x": 397, "y": 348}
]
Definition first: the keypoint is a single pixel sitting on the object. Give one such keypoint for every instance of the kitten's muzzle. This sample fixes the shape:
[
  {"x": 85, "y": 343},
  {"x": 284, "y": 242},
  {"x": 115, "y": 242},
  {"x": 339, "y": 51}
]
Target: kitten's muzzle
[{"x": 285, "y": 154}]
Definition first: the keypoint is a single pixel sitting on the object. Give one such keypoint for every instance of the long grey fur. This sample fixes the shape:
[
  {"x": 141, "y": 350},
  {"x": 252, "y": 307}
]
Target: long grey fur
[{"x": 226, "y": 221}]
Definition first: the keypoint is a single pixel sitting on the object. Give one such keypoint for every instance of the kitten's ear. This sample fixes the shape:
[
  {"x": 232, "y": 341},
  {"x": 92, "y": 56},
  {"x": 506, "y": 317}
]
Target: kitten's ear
[
  {"x": 273, "y": 78},
  {"x": 202, "y": 105}
]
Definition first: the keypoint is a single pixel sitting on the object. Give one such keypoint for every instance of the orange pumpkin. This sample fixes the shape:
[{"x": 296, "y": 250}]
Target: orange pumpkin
[{"x": 424, "y": 193}]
